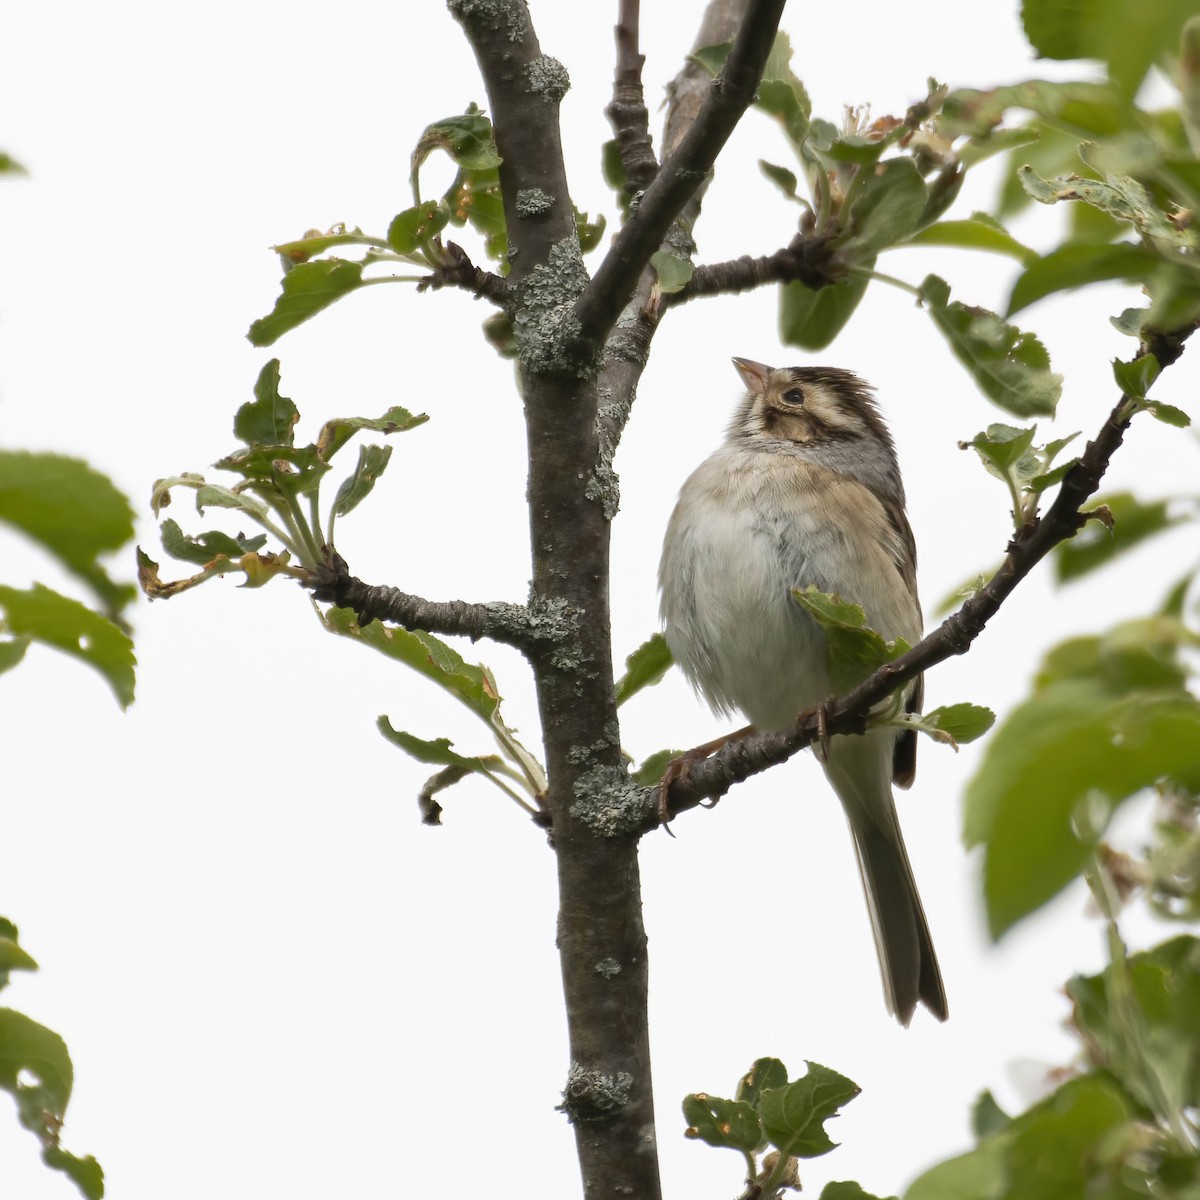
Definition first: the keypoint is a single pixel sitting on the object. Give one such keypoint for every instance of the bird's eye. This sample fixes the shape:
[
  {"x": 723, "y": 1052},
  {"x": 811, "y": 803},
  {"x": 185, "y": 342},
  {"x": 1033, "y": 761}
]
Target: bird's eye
[{"x": 793, "y": 396}]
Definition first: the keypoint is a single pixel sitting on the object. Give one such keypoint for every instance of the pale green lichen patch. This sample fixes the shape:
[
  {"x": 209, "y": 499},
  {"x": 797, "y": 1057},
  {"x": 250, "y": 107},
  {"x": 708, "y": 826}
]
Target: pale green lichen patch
[
  {"x": 494, "y": 13},
  {"x": 549, "y": 77},
  {"x": 608, "y": 802},
  {"x": 591, "y": 1095},
  {"x": 533, "y": 202},
  {"x": 546, "y": 328},
  {"x": 609, "y": 968}
]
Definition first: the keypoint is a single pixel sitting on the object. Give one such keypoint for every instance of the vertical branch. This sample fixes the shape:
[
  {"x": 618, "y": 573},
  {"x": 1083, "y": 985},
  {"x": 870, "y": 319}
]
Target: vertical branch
[{"x": 627, "y": 111}]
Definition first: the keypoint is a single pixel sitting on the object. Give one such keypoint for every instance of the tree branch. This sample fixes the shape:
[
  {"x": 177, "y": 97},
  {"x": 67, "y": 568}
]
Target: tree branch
[
  {"x": 459, "y": 271},
  {"x": 627, "y": 112},
  {"x": 742, "y": 757},
  {"x": 810, "y": 259},
  {"x": 730, "y": 94},
  {"x": 511, "y": 624}
]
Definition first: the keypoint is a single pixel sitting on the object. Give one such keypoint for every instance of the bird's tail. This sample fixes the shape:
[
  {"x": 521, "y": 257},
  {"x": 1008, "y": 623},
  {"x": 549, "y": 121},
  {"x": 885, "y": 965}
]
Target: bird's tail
[{"x": 906, "y": 956}]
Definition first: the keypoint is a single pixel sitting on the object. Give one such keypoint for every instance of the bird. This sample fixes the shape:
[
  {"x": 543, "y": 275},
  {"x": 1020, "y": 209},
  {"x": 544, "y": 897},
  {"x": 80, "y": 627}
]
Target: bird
[{"x": 806, "y": 490}]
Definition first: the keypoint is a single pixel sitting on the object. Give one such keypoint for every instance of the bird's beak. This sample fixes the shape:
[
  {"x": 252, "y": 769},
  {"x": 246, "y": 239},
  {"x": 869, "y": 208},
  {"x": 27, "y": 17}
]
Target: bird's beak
[{"x": 754, "y": 374}]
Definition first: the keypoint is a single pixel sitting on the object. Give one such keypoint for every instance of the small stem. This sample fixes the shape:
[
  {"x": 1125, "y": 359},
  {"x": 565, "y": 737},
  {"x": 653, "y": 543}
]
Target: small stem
[{"x": 869, "y": 273}]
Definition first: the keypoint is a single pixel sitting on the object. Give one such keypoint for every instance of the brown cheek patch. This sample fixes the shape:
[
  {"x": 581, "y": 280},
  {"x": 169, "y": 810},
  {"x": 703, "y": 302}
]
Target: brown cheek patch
[{"x": 788, "y": 424}]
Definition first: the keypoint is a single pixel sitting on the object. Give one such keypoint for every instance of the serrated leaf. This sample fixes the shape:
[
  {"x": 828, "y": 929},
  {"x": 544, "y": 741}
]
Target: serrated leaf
[
  {"x": 1011, "y": 368},
  {"x": 72, "y": 511},
  {"x": 475, "y": 198},
  {"x": 472, "y": 685},
  {"x": 962, "y": 722},
  {"x": 306, "y": 289},
  {"x": 336, "y": 433},
  {"x": 417, "y": 226},
  {"x": 45, "y": 616},
  {"x": 1002, "y": 448},
  {"x": 673, "y": 272},
  {"x": 1075, "y": 265},
  {"x": 1094, "y": 545},
  {"x": 1168, "y": 414},
  {"x": 203, "y": 548},
  {"x": 371, "y": 463},
  {"x": 854, "y": 650},
  {"x": 978, "y": 232},
  {"x": 727, "y": 1123},
  {"x": 887, "y": 209},
  {"x": 810, "y": 318},
  {"x": 644, "y": 667},
  {"x": 793, "y": 1117}
]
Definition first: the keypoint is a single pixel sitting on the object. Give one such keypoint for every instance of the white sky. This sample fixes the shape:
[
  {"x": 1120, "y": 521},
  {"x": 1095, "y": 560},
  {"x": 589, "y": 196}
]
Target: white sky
[{"x": 274, "y": 982}]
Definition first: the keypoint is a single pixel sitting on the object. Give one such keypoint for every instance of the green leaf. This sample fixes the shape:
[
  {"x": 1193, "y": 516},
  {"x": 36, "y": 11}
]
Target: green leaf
[
  {"x": 85, "y": 1173},
  {"x": 1120, "y": 197},
  {"x": 336, "y": 433},
  {"x": 28, "y": 1049},
  {"x": 977, "y": 1175},
  {"x": 12, "y": 956},
  {"x": 1136, "y": 378},
  {"x": 887, "y": 209},
  {"x": 1011, "y": 368},
  {"x": 371, "y": 463},
  {"x": 764, "y": 1075},
  {"x": 470, "y": 684},
  {"x": 1053, "y": 772},
  {"x": 729, "y": 1123},
  {"x": 416, "y": 227},
  {"x": 780, "y": 92},
  {"x": 302, "y": 249},
  {"x": 1096, "y": 544},
  {"x": 213, "y": 495},
  {"x": 810, "y": 318},
  {"x": 853, "y": 649},
  {"x": 650, "y": 773},
  {"x": 987, "y": 1117},
  {"x": 962, "y": 722},
  {"x": 793, "y": 1117},
  {"x": 978, "y": 232},
  {"x": 12, "y": 652},
  {"x": 10, "y": 166},
  {"x": 467, "y": 139},
  {"x": 644, "y": 667},
  {"x": 475, "y": 198},
  {"x": 673, "y": 272},
  {"x": 307, "y": 289},
  {"x": 1077, "y": 264},
  {"x": 781, "y": 177},
  {"x": 1004, "y": 449},
  {"x": 203, "y": 548},
  {"x": 72, "y": 511},
  {"x": 269, "y": 419},
  {"x": 1129, "y": 40},
  {"x": 589, "y": 232},
  {"x": 847, "y": 1191},
  {"x": 1139, "y": 1021},
  {"x": 54, "y": 620}
]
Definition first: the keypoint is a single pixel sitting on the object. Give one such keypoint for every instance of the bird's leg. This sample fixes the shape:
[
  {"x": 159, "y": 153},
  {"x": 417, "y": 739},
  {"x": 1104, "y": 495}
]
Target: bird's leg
[
  {"x": 678, "y": 768},
  {"x": 821, "y": 746}
]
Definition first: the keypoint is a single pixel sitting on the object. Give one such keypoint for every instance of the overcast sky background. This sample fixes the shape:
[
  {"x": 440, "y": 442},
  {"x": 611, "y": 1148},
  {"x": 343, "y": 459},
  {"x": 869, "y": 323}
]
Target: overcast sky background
[{"x": 273, "y": 981}]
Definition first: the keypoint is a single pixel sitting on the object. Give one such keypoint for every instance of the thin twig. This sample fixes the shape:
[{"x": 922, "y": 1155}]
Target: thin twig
[
  {"x": 627, "y": 112},
  {"x": 809, "y": 259},
  {"x": 459, "y": 271},
  {"x": 742, "y": 757},
  {"x": 500, "y": 621}
]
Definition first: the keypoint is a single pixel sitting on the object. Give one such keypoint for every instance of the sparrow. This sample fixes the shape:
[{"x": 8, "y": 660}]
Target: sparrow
[{"x": 806, "y": 490}]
